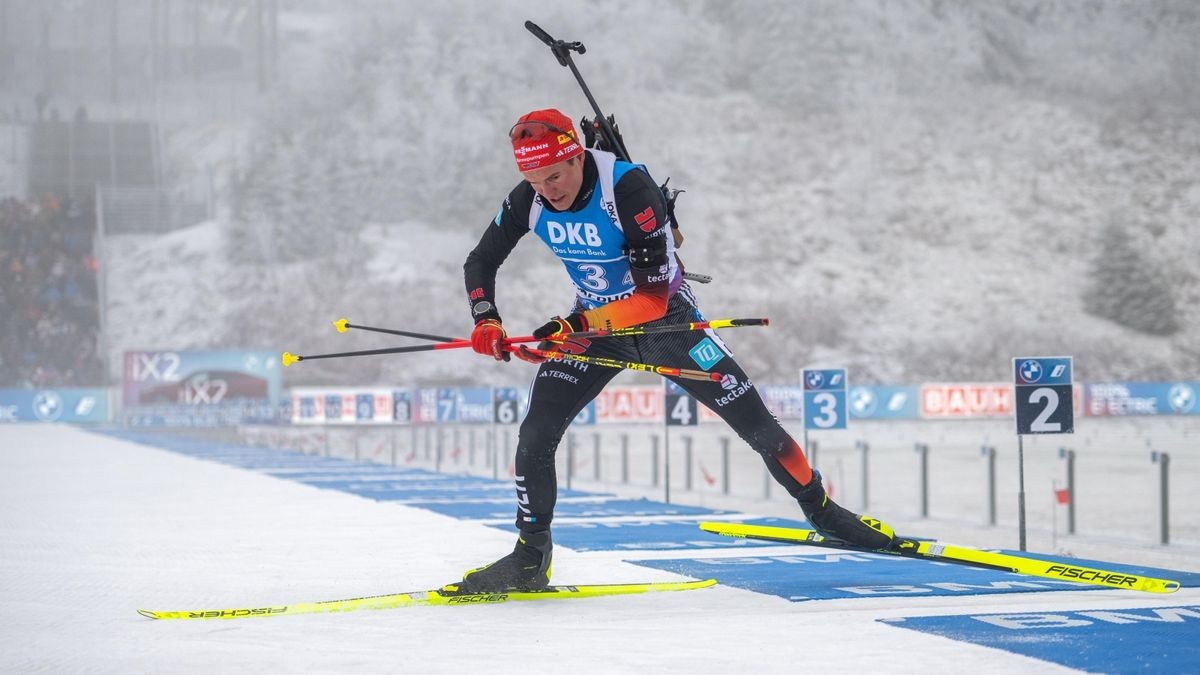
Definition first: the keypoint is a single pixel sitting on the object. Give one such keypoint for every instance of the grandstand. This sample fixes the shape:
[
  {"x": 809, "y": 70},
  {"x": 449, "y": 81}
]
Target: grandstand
[{"x": 84, "y": 123}]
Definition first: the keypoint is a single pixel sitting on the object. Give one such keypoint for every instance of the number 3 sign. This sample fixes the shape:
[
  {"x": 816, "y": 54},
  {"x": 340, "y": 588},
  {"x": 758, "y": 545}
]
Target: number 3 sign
[
  {"x": 1044, "y": 392},
  {"x": 824, "y": 398}
]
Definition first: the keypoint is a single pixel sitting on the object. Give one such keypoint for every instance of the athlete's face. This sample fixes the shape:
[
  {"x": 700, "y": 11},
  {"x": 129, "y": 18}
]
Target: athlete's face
[{"x": 559, "y": 183}]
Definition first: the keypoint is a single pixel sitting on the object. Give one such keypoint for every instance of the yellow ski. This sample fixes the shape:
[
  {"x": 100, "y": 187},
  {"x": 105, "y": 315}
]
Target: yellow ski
[
  {"x": 963, "y": 555},
  {"x": 447, "y": 595}
]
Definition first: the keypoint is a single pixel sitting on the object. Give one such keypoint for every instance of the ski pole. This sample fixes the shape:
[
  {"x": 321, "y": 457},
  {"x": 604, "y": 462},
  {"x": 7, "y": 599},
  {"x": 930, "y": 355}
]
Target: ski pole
[
  {"x": 343, "y": 324},
  {"x": 624, "y": 365},
  {"x": 290, "y": 358},
  {"x": 669, "y": 328}
]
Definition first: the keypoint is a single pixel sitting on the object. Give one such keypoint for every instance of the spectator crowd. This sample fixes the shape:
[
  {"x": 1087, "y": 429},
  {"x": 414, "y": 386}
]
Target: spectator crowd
[{"x": 49, "y": 304}]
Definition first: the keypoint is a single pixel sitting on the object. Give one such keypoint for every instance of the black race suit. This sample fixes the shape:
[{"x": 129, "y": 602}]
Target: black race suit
[{"x": 562, "y": 388}]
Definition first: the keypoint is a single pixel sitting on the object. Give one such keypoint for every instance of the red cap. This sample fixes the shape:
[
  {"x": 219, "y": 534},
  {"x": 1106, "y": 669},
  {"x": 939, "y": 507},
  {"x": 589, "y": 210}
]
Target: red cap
[{"x": 542, "y": 138}]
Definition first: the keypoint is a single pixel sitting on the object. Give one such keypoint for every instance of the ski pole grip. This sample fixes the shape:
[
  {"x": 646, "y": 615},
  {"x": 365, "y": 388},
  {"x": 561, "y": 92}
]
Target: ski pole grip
[{"x": 539, "y": 33}]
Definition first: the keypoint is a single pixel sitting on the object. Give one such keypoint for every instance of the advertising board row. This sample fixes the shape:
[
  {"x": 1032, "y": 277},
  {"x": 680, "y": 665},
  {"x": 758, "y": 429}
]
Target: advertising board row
[
  {"x": 54, "y": 405},
  {"x": 194, "y": 388},
  {"x": 654, "y": 404}
]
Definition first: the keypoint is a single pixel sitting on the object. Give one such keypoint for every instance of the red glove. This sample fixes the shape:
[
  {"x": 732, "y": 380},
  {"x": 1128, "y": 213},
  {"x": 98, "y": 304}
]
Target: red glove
[
  {"x": 488, "y": 339},
  {"x": 550, "y": 334}
]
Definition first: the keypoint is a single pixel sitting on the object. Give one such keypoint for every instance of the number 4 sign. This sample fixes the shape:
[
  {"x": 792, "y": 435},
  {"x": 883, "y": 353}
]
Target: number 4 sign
[
  {"x": 1044, "y": 391},
  {"x": 680, "y": 408}
]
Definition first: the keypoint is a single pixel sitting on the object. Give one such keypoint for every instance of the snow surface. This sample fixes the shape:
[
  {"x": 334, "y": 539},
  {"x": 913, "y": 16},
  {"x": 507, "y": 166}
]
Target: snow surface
[{"x": 93, "y": 528}]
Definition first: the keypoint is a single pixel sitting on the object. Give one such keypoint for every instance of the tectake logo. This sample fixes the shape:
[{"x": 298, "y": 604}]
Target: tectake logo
[{"x": 735, "y": 391}]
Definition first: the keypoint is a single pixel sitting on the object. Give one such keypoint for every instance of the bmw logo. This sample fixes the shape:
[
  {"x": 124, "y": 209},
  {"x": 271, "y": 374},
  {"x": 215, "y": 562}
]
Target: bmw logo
[
  {"x": 47, "y": 406},
  {"x": 862, "y": 401},
  {"x": 1182, "y": 398},
  {"x": 1031, "y": 371},
  {"x": 815, "y": 379}
]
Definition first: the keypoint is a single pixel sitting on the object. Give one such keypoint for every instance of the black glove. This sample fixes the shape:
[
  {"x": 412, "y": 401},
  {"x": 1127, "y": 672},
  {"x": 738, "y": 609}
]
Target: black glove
[{"x": 572, "y": 323}]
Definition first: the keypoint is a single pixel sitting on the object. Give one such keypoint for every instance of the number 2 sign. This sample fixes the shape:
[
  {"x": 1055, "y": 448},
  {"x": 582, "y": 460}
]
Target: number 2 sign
[{"x": 1044, "y": 393}]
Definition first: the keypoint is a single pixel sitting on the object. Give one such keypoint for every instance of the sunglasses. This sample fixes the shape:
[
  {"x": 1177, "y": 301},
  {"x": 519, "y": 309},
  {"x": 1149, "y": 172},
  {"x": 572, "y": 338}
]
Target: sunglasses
[{"x": 522, "y": 130}]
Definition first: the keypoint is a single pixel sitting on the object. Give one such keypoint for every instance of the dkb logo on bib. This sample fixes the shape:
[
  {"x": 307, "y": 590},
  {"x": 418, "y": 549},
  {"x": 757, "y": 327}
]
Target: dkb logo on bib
[{"x": 579, "y": 234}]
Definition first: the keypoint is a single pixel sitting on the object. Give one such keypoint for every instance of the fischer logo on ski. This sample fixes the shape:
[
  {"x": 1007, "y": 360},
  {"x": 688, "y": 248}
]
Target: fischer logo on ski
[{"x": 924, "y": 549}]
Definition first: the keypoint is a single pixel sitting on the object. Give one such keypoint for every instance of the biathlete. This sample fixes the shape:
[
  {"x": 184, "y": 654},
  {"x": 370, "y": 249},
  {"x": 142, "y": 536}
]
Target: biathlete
[{"x": 607, "y": 221}]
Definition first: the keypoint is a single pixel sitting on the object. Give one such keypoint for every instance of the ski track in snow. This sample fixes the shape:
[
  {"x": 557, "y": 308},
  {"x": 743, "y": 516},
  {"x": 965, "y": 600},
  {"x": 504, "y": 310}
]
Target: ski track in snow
[{"x": 93, "y": 528}]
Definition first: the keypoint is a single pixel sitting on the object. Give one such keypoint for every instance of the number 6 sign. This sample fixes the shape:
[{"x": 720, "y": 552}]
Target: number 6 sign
[{"x": 1044, "y": 392}]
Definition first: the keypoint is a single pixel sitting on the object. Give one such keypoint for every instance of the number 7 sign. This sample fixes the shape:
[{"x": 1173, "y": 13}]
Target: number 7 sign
[{"x": 1044, "y": 391}]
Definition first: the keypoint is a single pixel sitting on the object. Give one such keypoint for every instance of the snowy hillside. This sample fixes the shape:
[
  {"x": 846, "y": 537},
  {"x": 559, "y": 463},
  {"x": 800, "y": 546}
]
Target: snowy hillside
[{"x": 914, "y": 190}]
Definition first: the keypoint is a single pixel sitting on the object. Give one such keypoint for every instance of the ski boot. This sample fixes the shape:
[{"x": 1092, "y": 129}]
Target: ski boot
[
  {"x": 526, "y": 568},
  {"x": 836, "y": 522}
]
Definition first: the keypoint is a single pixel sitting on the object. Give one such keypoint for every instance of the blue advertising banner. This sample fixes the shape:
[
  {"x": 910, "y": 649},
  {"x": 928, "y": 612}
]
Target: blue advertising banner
[
  {"x": 474, "y": 406},
  {"x": 199, "y": 378},
  {"x": 505, "y": 405},
  {"x": 1141, "y": 398},
  {"x": 53, "y": 405},
  {"x": 884, "y": 402},
  {"x": 425, "y": 407},
  {"x": 308, "y": 409}
]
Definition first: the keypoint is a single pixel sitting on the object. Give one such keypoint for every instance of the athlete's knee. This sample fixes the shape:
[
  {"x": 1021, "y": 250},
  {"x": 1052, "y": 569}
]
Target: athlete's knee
[
  {"x": 537, "y": 443},
  {"x": 770, "y": 440},
  {"x": 763, "y": 433}
]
